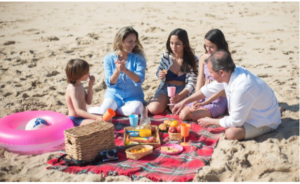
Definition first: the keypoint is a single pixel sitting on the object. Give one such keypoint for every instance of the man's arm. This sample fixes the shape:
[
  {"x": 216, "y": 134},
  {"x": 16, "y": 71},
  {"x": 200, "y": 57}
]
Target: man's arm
[{"x": 212, "y": 88}]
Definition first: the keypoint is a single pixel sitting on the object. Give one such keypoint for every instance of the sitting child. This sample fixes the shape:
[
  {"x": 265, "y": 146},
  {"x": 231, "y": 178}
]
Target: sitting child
[{"x": 77, "y": 70}]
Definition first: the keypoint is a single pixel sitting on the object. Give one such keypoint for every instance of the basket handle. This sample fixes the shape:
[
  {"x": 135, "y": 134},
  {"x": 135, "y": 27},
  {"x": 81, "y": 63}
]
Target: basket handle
[{"x": 69, "y": 142}]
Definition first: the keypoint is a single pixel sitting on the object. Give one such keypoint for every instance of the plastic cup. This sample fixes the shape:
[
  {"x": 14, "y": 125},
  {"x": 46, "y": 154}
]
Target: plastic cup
[
  {"x": 108, "y": 114},
  {"x": 171, "y": 91},
  {"x": 134, "y": 119},
  {"x": 185, "y": 131}
]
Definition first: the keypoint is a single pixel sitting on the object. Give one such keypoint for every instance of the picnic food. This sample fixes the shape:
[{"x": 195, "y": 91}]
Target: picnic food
[
  {"x": 167, "y": 122},
  {"x": 152, "y": 139},
  {"x": 153, "y": 129},
  {"x": 165, "y": 71},
  {"x": 169, "y": 149},
  {"x": 174, "y": 123},
  {"x": 139, "y": 150},
  {"x": 127, "y": 141},
  {"x": 138, "y": 139},
  {"x": 178, "y": 128},
  {"x": 172, "y": 130},
  {"x": 162, "y": 127}
]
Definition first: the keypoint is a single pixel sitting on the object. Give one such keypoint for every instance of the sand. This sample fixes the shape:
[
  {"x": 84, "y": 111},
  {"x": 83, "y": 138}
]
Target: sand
[{"x": 37, "y": 39}]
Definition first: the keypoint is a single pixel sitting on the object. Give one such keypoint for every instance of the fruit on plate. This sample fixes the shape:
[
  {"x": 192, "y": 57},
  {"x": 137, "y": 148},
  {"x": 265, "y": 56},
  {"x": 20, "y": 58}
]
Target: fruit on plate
[
  {"x": 174, "y": 123},
  {"x": 178, "y": 128},
  {"x": 172, "y": 130}
]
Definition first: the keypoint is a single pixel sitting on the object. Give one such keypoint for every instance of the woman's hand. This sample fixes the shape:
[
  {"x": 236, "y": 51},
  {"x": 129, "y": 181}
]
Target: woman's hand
[
  {"x": 178, "y": 107},
  {"x": 161, "y": 74},
  {"x": 175, "y": 99},
  {"x": 120, "y": 65}
]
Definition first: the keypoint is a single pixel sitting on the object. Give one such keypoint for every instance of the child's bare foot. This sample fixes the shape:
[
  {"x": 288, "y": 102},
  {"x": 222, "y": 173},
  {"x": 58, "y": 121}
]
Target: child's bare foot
[{"x": 281, "y": 110}]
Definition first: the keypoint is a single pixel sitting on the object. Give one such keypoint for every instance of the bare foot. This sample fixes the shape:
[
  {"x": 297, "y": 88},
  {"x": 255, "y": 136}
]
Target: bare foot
[{"x": 281, "y": 110}]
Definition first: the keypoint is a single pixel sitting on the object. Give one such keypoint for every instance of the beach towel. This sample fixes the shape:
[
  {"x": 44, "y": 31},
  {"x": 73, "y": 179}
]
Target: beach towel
[{"x": 157, "y": 166}]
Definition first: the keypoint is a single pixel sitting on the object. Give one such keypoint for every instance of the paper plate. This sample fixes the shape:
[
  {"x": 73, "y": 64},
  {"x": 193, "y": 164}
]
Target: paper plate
[{"x": 175, "y": 146}]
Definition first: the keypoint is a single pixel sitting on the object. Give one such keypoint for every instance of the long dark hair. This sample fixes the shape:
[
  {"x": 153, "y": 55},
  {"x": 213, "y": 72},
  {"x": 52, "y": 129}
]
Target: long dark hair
[
  {"x": 217, "y": 37},
  {"x": 189, "y": 60}
]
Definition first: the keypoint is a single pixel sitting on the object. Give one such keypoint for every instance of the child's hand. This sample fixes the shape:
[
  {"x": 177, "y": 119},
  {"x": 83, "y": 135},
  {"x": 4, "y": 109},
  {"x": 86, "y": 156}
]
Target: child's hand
[
  {"x": 92, "y": 80},
  {"x": 161, "y": 74},
  {"x": 99, "y": 118},
  {"x": 208, "y": 81},
  {"x": 195, "y": 105}
]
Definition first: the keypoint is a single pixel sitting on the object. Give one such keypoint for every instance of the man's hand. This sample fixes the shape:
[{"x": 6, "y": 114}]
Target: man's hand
[
  {"x": 205, "y": 122},
  {"x": 178, "y": 107},
  {"x": 92, "y": 80}
]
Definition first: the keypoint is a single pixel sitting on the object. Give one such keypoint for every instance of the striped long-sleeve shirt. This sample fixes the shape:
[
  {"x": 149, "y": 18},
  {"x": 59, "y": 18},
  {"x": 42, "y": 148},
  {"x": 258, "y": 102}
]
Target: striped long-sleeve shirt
[{"x": 191, "y": 78}]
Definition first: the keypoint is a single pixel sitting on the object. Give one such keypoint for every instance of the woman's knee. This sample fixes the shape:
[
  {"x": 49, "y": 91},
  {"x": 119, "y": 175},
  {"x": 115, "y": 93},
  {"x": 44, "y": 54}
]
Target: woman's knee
[
  {"x": 135, "y": 108},
  {"x": 185, "y": 114},
  {"x": 201, "y": 113},
  {"x": 154, "y": 108}
]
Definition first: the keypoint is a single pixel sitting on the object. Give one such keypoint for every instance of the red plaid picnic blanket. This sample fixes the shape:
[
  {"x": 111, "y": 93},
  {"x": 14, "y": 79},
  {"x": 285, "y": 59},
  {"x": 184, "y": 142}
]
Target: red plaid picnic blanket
[{"x": 156, "y": 166}]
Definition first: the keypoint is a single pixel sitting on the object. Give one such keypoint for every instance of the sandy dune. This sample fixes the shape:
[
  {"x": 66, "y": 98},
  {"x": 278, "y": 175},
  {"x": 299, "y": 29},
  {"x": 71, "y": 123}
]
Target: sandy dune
[{"x": 37, "y": 39}]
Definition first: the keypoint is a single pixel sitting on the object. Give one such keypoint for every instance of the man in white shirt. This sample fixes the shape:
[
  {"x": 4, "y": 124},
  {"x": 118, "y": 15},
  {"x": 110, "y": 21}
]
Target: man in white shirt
[{"x": 252, "y": 105}]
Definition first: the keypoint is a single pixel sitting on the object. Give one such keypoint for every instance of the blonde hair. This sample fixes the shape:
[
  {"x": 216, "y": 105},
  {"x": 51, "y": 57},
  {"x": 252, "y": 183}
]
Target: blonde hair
[
  {"x": 75, "y": 69},
  {"x": 121, "y": 36}
]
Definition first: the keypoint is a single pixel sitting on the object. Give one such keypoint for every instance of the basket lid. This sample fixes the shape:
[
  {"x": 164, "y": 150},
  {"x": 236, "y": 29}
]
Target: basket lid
[{"x": 89, "y": 128}]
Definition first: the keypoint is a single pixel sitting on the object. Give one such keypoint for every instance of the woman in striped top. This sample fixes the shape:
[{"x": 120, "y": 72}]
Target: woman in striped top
[{"x": 177, "y": 68}]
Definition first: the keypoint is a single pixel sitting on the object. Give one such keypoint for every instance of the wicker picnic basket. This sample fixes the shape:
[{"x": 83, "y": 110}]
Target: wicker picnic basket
[
  {"x": 175, "y": 136},
  {"x": 136, "y": 156},
  {"x": 85, "y": 142}
]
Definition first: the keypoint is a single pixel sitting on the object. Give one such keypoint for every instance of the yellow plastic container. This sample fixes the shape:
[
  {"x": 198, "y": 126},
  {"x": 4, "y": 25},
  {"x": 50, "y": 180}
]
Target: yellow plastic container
[{"x": 145, "y": 133}]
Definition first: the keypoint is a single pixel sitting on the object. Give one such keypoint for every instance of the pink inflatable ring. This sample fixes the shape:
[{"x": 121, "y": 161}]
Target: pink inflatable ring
[{"x": 14, "y": 138}]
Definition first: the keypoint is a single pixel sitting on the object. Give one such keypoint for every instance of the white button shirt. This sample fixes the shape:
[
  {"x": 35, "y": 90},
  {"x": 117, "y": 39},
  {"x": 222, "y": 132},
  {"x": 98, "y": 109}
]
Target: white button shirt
[{"x": 249, "y": 98}]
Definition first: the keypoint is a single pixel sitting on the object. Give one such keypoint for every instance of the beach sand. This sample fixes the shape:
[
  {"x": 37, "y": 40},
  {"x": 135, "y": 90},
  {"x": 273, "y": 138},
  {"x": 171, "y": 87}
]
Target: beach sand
[{"x": 37, "y": 39}]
